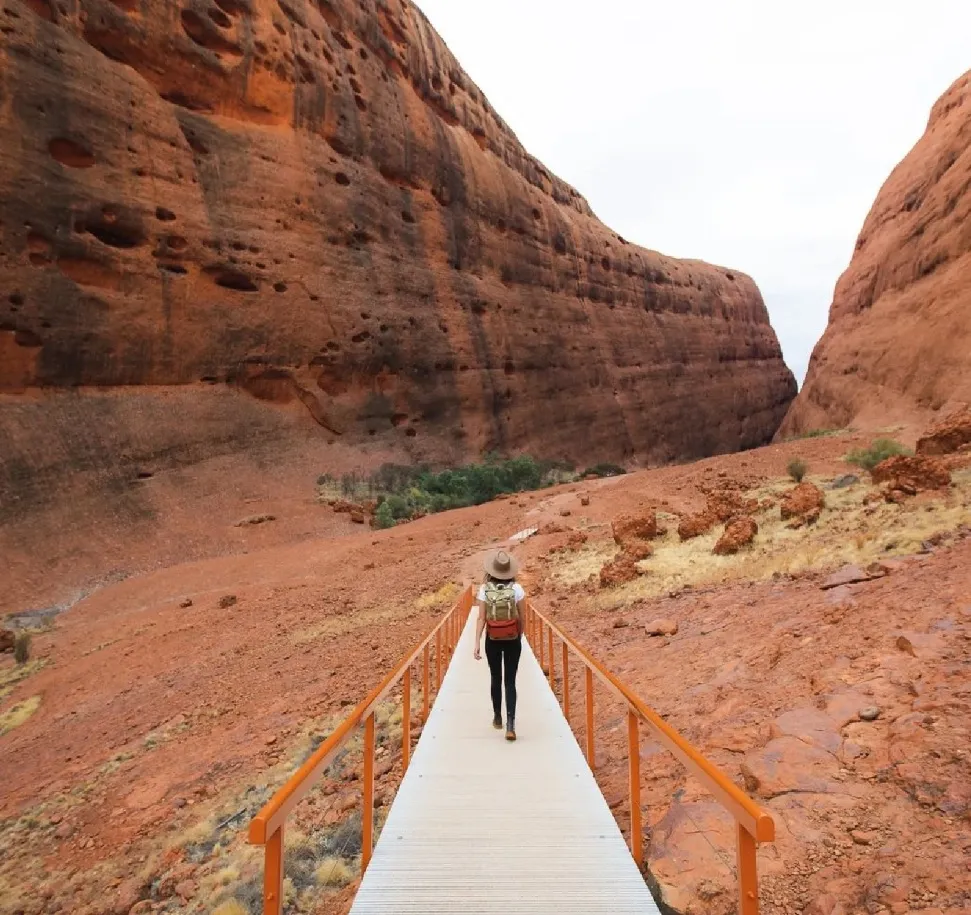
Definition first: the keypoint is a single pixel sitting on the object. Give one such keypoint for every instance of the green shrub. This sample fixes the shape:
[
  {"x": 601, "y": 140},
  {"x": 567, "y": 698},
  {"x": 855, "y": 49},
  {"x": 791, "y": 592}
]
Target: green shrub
[
  {"x": 878, "y": 452},
  {"x": 383, "y": 519},
  {"x": 21, "y": 647},
  {"x": 798, "y": 468}
]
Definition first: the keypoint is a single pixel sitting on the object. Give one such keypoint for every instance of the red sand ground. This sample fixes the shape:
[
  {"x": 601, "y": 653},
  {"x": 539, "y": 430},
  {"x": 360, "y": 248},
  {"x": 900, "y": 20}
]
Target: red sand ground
[{"x": 155, "y": 717}]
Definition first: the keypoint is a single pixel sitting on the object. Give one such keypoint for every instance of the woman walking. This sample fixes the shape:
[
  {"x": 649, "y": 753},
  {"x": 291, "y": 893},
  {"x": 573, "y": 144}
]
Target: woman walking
[{"x": 500, "y": 601}]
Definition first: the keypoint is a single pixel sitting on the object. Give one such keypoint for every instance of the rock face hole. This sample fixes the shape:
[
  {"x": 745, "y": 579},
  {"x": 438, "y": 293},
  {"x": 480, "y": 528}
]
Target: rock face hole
[
  {"x": 70, "y": 154},
  {"x": 228, "y": 278},
  {"x": 342, "y": 179}
]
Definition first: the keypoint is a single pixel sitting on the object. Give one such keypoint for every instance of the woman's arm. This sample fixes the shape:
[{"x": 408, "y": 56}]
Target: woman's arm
[{"x": 479, "y": 627}]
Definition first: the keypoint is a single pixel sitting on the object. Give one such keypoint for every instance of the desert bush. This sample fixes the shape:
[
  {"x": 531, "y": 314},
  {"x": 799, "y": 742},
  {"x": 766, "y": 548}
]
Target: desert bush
[
  {"x": 798, "y": 468},
  {"x": 879, "y": 451},
  {"x": 383, "y": 519},
  {"x": 21, "y": 647}
]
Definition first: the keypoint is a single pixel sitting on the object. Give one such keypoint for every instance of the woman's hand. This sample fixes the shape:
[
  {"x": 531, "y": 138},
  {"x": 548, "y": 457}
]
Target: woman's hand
[{"x": 477, "y": 654}]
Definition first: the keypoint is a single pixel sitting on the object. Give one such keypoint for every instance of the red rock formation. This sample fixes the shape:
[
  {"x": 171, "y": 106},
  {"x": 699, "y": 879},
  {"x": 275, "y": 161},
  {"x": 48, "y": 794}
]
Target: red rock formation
[
  {"x": 898, "y": 344},
  {"x": 947, "y": 437},
  {"x": 907, "y": 476},
  {"x": 311, "y": 201},
  {"x": 738, "y": 533},
  {"x": 803, "y": 503}
]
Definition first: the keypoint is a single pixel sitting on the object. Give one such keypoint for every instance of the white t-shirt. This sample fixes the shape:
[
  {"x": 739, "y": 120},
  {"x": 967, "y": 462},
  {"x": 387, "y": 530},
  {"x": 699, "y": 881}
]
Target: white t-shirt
[{"x": 517, "y": 590}]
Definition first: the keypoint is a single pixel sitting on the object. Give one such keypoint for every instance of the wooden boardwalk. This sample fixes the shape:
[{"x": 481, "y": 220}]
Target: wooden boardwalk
[{"x": 483, "y": 826}]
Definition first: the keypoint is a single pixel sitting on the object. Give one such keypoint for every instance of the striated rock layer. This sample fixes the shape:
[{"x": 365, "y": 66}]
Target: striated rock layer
[
  {"x": 310, "y": 201},
  {"x": 898, "y": 344}
]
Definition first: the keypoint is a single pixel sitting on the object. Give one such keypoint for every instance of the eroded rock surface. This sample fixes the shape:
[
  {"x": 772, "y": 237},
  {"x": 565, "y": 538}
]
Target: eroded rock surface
[
  {"x": 898, "y": 344},
  {"x": 312, "y": 202}
]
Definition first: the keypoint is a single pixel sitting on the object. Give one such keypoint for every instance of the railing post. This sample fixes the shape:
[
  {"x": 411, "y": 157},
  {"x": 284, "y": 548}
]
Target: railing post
[
  {"x": 438, "y": 660},
  {"x": 273, "y": 874},
  {"x": 425, "y": 684},
  {"x": 634, "y": 765},
  {"x": 406, "y": 720},
  {"x": 367, "y": 820},
  {"x": 552, "y": 662},
  {"x": 566, "y": 681},
  {"x": 589, "y": 691},
  {"x": 748, "y": 880},
  {"x": 542, "y": 645}
]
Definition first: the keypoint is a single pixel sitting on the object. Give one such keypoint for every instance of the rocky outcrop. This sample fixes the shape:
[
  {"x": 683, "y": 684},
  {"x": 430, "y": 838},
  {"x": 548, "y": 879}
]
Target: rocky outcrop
[
  {"x": 898, "y": 344},
  {"x": 312, "y": 203},
  {"x": 738, "y": 533},
  {"x": 948, "y": 436}
]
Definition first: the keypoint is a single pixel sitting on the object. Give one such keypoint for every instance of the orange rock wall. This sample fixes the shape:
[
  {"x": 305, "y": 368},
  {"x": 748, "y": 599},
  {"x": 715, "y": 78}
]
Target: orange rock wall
[
  {"x": 898, "y": 344},
  {"x": 311, "y": 201}
]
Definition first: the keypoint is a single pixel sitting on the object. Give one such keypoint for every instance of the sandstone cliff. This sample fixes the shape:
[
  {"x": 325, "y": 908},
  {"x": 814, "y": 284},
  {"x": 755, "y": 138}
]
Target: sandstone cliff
[
  {"x": 308, "y": 200},
  {"x": 898, "y": 344}
]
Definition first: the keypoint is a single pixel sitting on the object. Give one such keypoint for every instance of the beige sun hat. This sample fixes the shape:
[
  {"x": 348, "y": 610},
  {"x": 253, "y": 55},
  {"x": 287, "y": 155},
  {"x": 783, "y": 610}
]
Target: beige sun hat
[{"x": 502, "y": 565}]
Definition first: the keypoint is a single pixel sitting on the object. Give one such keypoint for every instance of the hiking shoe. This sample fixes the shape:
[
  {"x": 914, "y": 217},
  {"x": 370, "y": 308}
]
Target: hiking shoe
[
  {"x": 510, "y": 729},
  {"x": 497, "y": 722}
]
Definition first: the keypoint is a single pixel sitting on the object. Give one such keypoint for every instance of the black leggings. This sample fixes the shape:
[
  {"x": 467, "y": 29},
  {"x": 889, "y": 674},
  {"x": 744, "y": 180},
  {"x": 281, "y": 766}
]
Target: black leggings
[{"x": 509, "y": 649}]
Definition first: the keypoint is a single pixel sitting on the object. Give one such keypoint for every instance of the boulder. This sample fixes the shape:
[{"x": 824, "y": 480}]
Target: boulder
[
  {"x": 634, "y": 527},
  {"x": 946, "y": 437},
  {"x": 661, "y": 627},
  {"x": 738, "y": 533},
  {"x": 803, "y": 503},
  {"x": 619, "y": 571},
  {"x": 911, "y": 475}
]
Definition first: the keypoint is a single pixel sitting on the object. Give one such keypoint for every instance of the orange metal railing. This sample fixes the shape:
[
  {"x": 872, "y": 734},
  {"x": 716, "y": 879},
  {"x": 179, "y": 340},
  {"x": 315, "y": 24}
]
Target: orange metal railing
[
  {"x": 753, "y": 823},
  {"x": 267, "y": 827}
]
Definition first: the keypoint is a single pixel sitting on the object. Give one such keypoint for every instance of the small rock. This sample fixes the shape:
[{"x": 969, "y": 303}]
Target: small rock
[
  {"x": 848, "y": 479},
  {"x": 661, "y": 627},
  {"x": 905, "y": 645},
  {"x": 64, "y": 831},
  {"x": 585, "y": 501},
  {"x": 848, "y": 575},
  {"x": 565, "y": 513},
  {"x": 178, "y": 803},
  {"x": 357, "y": 517},
  {"x": 870, "y": 713},
  {"x": 7, "y": 640},
  {"x": 186, "y": 603},
  {"x": 186, "y": 890},
  {"x": 226, "y": 601},
  {"x": 860, "y": 837},
  {"x": 271, "y": 740},
  {"x": 620, "y": 624}
]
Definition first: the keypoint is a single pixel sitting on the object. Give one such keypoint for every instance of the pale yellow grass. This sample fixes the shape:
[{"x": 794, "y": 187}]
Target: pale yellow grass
[
  {"x": 14, "y": 717},
  {"x": 231, "y": 907},
  {"x": 845, "y": 533},
  {"x": 11, "y": 676},
  {"x": 443, "y": 597},
  {"x": 349, "y": 621},
  {"x": 334, "y": 872}
]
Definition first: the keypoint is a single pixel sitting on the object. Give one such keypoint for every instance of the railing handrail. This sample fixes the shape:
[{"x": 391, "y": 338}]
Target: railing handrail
[
  {"x": 274, "y": 813},
  {"x": 749, "y": 814}
]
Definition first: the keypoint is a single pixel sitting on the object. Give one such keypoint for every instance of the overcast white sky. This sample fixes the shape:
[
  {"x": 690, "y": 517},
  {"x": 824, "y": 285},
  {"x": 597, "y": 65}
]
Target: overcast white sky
[{"x": 749, "y": 133}]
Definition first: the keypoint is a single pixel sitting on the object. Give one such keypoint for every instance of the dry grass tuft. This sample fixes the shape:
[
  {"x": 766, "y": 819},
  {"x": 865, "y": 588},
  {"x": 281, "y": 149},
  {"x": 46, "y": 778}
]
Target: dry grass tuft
[
  {"x": 11, "y": 676},
  {"x": 21, "y": 712},
  {"x": 444, "y": 597},
  {"x": 334, "y": 872},
  {"x": 231, "y": 907}
]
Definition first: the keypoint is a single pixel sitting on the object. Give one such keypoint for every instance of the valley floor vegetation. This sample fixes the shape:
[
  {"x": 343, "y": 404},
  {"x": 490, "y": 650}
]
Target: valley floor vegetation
[{"x": 403, "y": 493}]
